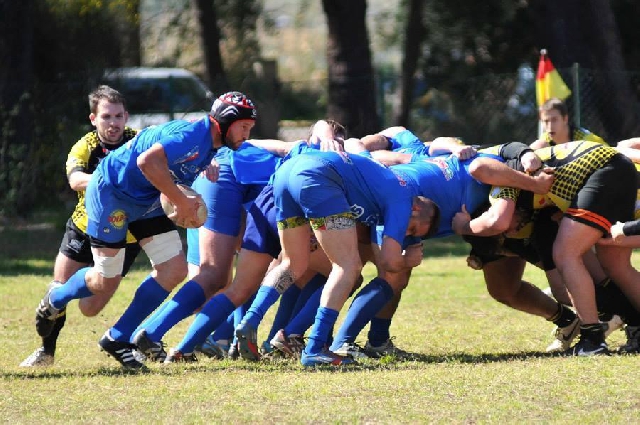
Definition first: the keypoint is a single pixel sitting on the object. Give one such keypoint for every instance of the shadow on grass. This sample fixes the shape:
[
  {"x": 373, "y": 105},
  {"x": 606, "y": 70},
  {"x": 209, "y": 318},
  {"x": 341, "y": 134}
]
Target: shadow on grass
[
  {"x": 466, "y": 358},
  {"x": 278, "y": 365}
]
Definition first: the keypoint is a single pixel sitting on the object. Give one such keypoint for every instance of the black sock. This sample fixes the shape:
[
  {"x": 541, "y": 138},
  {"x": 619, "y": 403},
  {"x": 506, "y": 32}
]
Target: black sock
[
  {"x": 594, "y": 332},
  {"x": 611, "y": 300},
  {"x": 563, "y": 317},
  {"x": 49, "y": 342}
]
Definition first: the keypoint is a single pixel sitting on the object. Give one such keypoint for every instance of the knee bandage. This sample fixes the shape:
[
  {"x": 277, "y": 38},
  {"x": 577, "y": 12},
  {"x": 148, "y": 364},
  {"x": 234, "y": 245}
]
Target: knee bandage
[
  {"x": 163, "y": 247},
  {"x": 109, "y": 266}
]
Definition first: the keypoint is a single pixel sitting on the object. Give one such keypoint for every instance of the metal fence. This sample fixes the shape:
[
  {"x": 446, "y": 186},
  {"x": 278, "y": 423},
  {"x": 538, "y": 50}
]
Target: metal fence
[{"x": 491, "y": 109}]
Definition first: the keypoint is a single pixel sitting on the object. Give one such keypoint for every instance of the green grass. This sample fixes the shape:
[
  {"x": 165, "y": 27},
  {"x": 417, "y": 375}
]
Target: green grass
[{"x": 477, "y": 362}]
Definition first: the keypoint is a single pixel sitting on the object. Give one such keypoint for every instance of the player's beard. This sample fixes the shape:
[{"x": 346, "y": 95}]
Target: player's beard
[{"x": 112, "y": 135}]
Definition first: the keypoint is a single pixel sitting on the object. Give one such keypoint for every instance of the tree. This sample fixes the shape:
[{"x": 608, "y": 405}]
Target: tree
[
  {"x": 16, "y": 82},
  {"x": 210, "y": 35},
  {"x": 618, "y": 110},
  {"x": 415, "y": 32},
  {"x": 50, "y": 81},
  {"x": 586, "y": 33},
  {"x": 352, "y": 99},
  {"x": 465, "y": 44}
]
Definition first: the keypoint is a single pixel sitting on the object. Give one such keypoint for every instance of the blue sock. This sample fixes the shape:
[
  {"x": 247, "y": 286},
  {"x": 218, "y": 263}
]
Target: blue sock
[
  {"x": 212, "y": 314},
  {"x": 148, "y": 320},
  {"x": 305, "y": 317},
  {"x": 265, "y": 298},
  {"x": 308, "y": 291},
  {"x": 187, "y": 300},
  {"x": 242, "y": 310},
  {"x": 238, "y": 315},
  {"x": 325, "y": 319},
  {"x": 283, "y": 315},
  {"x": 364, "y": 307},
  {"x": 75, "y": 288},
  {"x": 147, "y": 298},
  {"x": 379, "y": 331},
  {"x": 225, "y": 329}
]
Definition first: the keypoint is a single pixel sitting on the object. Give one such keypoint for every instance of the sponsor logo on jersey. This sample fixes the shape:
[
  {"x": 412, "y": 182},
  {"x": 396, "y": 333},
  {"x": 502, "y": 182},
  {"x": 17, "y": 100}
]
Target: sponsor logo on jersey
[
  {"x": 117, "y": 219},
  {"x": 357, "y": 210},
  {"x": 345, "y": 158},
  {"x": 400, "y": 177},
  {"x": 443, "y": 165},
  {"x": 189, "y": 156}
]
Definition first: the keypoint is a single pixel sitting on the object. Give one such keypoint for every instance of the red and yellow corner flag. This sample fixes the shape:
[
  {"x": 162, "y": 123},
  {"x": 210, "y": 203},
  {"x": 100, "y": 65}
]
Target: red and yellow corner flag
[{"x": 548, "y": 81}]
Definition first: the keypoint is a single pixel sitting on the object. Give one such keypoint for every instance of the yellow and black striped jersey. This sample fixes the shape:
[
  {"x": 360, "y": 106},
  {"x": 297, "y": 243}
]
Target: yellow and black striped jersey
[
  {"x": 577, "y": 134},
  {"x": 84, "y": 156},
  {"x": 573, "y": 162}
]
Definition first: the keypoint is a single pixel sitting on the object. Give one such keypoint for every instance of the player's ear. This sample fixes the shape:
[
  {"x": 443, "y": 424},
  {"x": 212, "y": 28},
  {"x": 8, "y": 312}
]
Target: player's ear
[{"x": 415, "y": 205}]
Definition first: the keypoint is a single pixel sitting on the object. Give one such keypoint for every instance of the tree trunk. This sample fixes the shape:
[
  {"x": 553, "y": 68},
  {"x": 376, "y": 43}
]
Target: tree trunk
[
  {"x": 617, "y": 105},
  {"x": 210, "y": 36},
  {"x": 559, "y": 30},
  {"x": 414, "y": 35},
  {"x": 129, "y": 34},
  {"x": 352, "y": 99},
  {"x": 16, "y": 122},
  {"x": 586, "y": 33}
]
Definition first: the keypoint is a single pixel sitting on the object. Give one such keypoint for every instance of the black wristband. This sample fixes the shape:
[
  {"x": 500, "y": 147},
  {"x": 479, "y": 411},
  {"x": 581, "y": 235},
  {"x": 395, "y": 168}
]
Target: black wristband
[
  {"x": 631, "y": 228},
  {"x": 389, "y": 142}
]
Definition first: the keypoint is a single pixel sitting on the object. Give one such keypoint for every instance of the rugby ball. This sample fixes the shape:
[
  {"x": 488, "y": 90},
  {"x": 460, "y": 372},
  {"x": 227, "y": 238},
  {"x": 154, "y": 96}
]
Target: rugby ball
[{"x": 168, "y": 207}]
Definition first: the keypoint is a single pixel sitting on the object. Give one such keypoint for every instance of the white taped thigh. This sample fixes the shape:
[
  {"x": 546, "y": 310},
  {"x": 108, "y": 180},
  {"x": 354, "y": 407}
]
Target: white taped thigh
[
  {"x": 163, "y": 247},
  {"x": 109, "y": 266}
]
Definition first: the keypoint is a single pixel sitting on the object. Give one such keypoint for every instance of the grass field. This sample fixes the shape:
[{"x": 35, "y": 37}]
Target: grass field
[{"x": 476, "y": 362}]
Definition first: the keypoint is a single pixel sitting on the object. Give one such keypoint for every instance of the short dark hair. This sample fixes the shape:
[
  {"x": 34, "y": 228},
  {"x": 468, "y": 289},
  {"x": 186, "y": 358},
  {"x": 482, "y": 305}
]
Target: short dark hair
[
  {"x": 427, "y": 204},
  {"x": 107, "y": 93},
  {"x": 339, "y": 130},
  {"x": 555, "y": 103},
  {"x": 111, "y": 95},
  {"x": 434, "y": 225}
]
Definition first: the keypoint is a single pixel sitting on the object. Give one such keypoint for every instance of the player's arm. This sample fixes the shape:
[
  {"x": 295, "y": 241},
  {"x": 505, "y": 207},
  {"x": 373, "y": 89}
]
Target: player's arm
[
  {"x": 391, "y": 158},
  {"x": 521, "y": 156},
  {"x": 381, "y": 140},
  {"x": 376, "y": 142},
  {"x": 591, "y": 137},
  {"x": 323, "y": 136},
  {"x": 78, "y": 180},
  {"x": 276, "y": 147},
  {"x": 154, "y": 165},
  {"x": 631, "y": 153},
  {"x": 493, "y": 172},
  {"x": 630, "y": 148},
  {"x": 539, "y": 144},
  {"x": 633, "y": 143},
  {"x": 624, "y": 235},
  {"x": 77, "y": 163},
  {"x": 413, "y": 255},
  {"x": 391, "y": 258},
  {"x": 496, "y": 220},
  {"x": 388, "y": 260},
  {"x": 355, "y": 146},
  {"x": 452, "y": 145},
  {"x": 624, "y": 242}
]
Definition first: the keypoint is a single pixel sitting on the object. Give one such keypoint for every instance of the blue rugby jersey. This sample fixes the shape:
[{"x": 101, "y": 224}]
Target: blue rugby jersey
[{"x": 187, "y": 145}]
